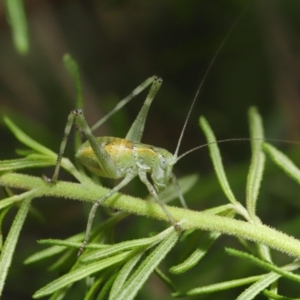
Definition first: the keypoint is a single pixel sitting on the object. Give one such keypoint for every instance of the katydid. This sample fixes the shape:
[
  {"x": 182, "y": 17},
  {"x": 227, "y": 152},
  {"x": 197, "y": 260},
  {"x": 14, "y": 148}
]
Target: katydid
[
  {"x": 127, "y": 157},
  {"x": 124, "y": 158}
]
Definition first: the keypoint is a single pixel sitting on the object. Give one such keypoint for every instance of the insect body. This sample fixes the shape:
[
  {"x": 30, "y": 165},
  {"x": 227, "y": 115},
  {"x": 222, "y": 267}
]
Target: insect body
[
  {"x": 124, "y": 158},
  {"x": 127, "y": 157}
]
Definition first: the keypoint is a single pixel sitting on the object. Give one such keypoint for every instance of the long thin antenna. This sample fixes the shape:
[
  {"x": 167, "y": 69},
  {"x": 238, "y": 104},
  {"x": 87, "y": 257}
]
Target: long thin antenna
[
  {"x": 237, "y": 140},
  {"x": 204, "y": 77}
]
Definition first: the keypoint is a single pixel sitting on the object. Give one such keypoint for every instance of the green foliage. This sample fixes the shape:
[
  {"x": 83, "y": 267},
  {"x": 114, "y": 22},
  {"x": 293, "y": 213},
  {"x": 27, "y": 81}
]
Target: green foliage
[
  {"x": 118, "y": 268},
  {"x": 17, "y": 19},
  {"x": 121, "y": 269}
]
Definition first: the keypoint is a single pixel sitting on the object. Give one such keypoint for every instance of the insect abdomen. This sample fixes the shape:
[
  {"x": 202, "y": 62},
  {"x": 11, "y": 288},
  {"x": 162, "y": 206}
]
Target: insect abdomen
[{"x": 125, "y": 156}]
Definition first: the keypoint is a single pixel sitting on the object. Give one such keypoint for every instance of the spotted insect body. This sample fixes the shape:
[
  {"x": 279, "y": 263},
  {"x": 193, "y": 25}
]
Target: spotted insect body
[{"x": 129, "y": 157}]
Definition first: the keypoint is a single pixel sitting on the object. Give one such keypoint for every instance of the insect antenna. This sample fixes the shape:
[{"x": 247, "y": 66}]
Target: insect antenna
[
  {"x": 237, "y": 140},
  {"x": 204, "y": 78}
]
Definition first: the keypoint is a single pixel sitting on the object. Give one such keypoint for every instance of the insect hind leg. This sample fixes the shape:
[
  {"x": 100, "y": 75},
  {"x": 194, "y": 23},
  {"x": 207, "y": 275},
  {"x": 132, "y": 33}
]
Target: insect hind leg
[
  {"x": 136, "y": 130},
  {"x": 149, "y": 81}
]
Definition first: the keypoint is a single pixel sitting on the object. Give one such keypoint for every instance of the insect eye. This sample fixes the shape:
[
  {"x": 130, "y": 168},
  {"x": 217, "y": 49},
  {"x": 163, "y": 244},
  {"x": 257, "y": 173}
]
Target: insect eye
[{"x": 162, "y": 162}]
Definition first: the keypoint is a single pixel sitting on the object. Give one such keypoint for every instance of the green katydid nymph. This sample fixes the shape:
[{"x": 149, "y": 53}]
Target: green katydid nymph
[
  {"x": 124, "y": 157},
  {"x": 127, "y": 157}
]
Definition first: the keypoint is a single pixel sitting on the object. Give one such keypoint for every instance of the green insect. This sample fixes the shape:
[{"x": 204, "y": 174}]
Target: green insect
[
  {"x": 127, "y": 157},
  {"x": 124, "y": 157}
]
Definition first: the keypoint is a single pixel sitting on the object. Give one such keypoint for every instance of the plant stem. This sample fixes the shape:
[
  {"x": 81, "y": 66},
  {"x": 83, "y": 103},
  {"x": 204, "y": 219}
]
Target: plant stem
[{"x": 189, "y": 219}]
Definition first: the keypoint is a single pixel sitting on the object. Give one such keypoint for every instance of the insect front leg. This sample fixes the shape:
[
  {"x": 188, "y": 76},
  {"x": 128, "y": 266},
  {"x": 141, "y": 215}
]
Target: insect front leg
[
  {"x": 124, "y": 182},
  {"x": 153, "y": 192},
  {"x": 102, "y": 157}
]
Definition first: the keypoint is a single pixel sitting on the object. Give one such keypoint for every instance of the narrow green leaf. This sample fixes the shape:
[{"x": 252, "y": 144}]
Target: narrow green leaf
[
  {"x": 217, "y": 160},
  {"x": 73, "y": 70},
  {"x": 58, "y": 248},
  {"x": 32, "y": 161},
  {"x": 217, "y": 287},
  {"x": 2, "y": 216},
  {"x": 16, "y": 198},
  {"x": 256, "y": 129},
  {"x": 120, "y": 247},
  {"x": 136, "y": 281},
  {"x": 256, "y": 169},
  {"x": 105, "y": 289},
  {"x": 283, "y": 162},
  {"x": 59, "y": 294},
  {"x": 266, "y": 280},
  {"x": 28, "y": 141},
  {"x": 104, "y": 226},
  {"x": 206, "y": 241},
  {"x": 220, "y": 210},
  {"x": 78, "y": 274},
  {"x": 263, "y": 264},
  {"x": 166, "y": 279},
  {"x": 11, "y": 240},
  {"x": 65, "y": 259},
  {"x": 255, "y": 173},
  {"x": 17, "y": 19},
  {"x": 25, "y": 139},
  {"x": 276, "y": 296},
  {"x": 44, "y": 254},
  {"x": 136, "y": 245},
  {"x": 123, "y": 275},
  {"x": 93, "y": 289},
  {"x": 114, "y": 249},
  {"x": 256, "y": 288},
  {"x": 72, "y": 244}
]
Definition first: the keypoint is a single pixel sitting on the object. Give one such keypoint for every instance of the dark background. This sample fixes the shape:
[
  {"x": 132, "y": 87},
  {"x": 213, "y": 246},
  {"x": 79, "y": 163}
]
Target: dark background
[{"x": 118, "y": 44}]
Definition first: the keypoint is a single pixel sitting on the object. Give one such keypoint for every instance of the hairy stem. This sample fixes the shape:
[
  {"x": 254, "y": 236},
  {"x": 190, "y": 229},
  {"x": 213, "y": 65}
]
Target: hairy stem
[{"x": 190, "y": 219}]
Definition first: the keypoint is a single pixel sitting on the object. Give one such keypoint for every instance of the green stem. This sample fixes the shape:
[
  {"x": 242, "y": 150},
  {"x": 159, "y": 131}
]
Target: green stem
[{"x": 189, "y": 219}]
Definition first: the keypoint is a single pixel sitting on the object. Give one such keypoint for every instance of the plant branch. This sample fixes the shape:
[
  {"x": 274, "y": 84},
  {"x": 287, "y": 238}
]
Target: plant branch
[{"x": 190, "y": 219}]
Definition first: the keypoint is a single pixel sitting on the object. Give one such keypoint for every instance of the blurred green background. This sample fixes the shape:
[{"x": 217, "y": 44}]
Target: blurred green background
[{"x": 118, "y": 44}]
